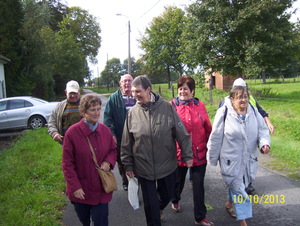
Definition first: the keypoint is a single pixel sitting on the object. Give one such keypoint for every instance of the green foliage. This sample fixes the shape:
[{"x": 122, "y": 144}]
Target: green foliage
[
  {"x": 112, "y": 72},
  {"x": 162, "y": 41},
  {"x": 85, "y": 30},
  {"x": 32, "y": 183},
  {"x": 239, "y": 37},
  {"x": 46, "y": 49},
  {"x": 11, "y": 14},
  {"x": 200, "y": 79}
]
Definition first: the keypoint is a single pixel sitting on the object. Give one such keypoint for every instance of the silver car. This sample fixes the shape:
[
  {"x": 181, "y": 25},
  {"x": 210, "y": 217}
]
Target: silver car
[{"x": 24, "y": 111}]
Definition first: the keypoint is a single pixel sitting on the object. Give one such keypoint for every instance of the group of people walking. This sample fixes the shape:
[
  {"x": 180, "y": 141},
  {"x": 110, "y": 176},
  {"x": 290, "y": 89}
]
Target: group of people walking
[{"x": 157, "y": 142}]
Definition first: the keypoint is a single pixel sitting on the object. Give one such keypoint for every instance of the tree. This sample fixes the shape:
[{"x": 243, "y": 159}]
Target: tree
[
  {"x": 112, "y": 72},
  {"x": 58, "y": 11},
  {"x": 11, "y": 14},
  {"x": 136, "y": 67},
  {"x": 239, "y": 37},
  {"x": 38, "y": 45},
  {"x": 70, "y": 61},
  {"x": 86, "y": 31},
  {"x": 162, "y": 41}
]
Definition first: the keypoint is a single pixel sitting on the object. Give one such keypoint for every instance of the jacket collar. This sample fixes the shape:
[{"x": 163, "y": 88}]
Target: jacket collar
[
  {"x": 157, "y": 100},
  {"x": 86, "y": 130},
  {"x": 195, "y": 101}
]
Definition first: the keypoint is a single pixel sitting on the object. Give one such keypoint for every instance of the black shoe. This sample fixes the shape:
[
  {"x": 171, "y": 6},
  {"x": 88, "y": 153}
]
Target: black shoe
[
  {"x": 125, "y": 187},
  {"x": 250, "y": 189}
]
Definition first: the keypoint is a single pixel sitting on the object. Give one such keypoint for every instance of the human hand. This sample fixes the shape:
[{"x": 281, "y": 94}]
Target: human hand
[
  {"x": 115, "y": 139},
  {"x": 57, "y": 137},
  {"x": 105, "y": 165},
  {"x": 266, "y": 149},
  {"x": 269, "y": 124},
  {"x": 189, "y": 163},
  {"x": 79, "y": 194},
  {"x": 130, "y": 174},
  {"x": 271, "y": 128}
]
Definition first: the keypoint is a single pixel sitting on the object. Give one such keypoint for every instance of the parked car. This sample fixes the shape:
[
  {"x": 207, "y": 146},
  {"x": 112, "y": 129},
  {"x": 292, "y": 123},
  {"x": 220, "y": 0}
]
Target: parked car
[{"x": 24, "y": 112}]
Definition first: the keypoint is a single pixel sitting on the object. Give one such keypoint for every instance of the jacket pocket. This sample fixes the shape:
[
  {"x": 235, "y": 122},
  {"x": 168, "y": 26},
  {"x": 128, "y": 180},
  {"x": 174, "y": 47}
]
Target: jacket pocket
[
  {"x": 253, "y": 167},
  {"x": 229, "y": 166}
]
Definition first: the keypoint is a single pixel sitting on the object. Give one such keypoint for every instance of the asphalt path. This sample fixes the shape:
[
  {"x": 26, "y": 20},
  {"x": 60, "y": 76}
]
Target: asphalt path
[{"x": 276, "y": 201}]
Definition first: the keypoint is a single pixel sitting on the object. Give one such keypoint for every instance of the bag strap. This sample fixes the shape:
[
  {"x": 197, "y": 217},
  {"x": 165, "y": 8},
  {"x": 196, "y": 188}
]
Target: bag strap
[{"x": 93, "y": 153}]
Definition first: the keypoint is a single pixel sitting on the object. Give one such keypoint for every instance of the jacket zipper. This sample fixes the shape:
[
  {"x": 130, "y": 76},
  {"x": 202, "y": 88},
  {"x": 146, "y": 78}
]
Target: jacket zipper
[
  {"x": 200, "y": 118},
  {"x": 154, "y": 171}
]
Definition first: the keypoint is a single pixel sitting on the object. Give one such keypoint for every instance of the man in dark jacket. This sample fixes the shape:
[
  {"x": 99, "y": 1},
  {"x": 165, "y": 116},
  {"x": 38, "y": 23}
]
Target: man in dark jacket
[
  {"x": 115, "y": 114},
  {"x": 148, "y": 147}
]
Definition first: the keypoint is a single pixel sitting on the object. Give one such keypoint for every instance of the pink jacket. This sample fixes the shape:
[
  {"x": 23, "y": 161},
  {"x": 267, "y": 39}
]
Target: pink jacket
[
  {"x": 195, "y": 119},
  {"x": 78, "y": 165}
]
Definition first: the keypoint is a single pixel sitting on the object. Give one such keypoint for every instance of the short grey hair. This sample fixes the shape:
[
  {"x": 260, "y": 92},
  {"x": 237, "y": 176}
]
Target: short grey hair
[
  {"x": 122, "y": 76},
  {"x": 142, "y": 80}
]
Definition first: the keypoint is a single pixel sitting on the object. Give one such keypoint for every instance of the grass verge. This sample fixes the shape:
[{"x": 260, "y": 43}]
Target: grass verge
[{"x": 32, "y": 182}]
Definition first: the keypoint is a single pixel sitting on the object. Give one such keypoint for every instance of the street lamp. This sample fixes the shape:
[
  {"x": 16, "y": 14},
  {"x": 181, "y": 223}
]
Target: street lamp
[{"x": 129, "y": 59}]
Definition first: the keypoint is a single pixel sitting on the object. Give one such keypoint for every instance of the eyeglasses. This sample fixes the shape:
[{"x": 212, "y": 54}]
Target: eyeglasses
[
  {"x": 246, "y": 97},
  {"x": 129, "y": 81}
]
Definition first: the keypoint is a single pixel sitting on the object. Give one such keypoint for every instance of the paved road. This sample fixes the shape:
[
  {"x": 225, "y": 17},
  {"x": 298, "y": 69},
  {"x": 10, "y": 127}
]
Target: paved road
[{"x": 267, "y": 183}]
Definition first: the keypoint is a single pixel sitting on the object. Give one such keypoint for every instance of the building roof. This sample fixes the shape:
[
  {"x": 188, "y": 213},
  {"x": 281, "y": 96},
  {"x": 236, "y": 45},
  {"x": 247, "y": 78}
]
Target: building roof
[{"x": 4, "y": 60}]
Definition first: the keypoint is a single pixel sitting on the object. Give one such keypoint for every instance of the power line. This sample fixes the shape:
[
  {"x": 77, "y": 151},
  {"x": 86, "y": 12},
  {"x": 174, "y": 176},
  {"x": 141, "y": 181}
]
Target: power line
[{"x": 147, "y": 11}]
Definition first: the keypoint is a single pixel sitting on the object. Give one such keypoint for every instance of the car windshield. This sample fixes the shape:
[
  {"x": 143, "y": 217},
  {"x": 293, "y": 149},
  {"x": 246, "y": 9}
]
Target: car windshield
[{"x": 40, "y": 100}]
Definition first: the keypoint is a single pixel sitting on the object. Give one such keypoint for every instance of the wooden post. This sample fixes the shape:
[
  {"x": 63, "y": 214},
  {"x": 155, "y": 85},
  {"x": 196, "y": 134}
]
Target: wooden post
[
  {"x": 159, "y": 90},
  {"x": 210, "y": 91},
  {"x": 173, "y": 92}
]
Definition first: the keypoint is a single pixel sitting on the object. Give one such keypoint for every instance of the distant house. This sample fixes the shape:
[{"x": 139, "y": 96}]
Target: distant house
[
  {"x": 219, "y": 81},
  {"x": 3, "y": 60}
]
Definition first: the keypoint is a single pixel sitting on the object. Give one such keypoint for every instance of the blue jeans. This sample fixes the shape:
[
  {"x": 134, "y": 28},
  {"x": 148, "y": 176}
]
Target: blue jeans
[{"x": 241, "y": 203}]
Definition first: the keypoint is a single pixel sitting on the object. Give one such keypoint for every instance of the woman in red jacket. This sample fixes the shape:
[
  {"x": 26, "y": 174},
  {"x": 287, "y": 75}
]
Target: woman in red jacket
[
  {"x": 84, "y": 187},
  {"x": 195, "y": 119}
]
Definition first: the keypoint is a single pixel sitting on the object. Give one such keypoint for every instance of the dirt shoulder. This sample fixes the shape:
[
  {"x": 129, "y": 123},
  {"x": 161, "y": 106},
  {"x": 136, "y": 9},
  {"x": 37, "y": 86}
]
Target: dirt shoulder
[{"x": 266, "y": 160}]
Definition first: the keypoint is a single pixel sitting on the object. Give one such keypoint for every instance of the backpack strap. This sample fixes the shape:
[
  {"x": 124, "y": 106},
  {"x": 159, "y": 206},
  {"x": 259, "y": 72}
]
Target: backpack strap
[
  {"x": 225, "y": 113},
  {"x": 173, "y": 105}
]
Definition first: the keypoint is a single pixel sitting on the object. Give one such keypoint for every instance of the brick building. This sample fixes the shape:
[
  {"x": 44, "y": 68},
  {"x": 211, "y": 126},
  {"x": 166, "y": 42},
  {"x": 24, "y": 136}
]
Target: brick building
[{"x": 219, "y": 81}]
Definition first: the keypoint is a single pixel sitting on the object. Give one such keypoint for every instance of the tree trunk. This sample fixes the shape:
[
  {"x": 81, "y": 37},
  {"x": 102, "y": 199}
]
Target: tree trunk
[
  {"x": 210, "y": 90},
  {"x": 169, "y": 77},
  {"x": 264, "y": 77}
]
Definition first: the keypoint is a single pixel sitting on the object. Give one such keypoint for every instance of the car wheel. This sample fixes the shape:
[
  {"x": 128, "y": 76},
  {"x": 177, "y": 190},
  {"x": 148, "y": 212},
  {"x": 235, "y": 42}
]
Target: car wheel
[{"x": 36, "y": 122}]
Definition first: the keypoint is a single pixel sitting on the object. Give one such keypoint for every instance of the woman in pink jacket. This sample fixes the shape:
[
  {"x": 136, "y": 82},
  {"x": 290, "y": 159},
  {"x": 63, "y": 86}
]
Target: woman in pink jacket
[
  {"x": 195, "y": 119},
  {"x": 84, "y": 187}
]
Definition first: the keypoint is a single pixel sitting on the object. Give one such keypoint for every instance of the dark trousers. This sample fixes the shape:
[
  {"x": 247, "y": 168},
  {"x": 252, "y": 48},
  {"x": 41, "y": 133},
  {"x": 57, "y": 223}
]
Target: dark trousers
[
  {"x": 121, "y": 167},
  {"x": 99, "y": 213},
  {"x": 156, "y": 196},
  {"x": 198, "y": 173}
]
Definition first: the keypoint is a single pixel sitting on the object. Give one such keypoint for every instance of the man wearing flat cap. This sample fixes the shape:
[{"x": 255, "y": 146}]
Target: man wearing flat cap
[{"x": 66, "y": 113}]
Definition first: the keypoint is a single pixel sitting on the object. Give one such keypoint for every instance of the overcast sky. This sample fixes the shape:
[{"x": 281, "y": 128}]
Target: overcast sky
[{"x": 114, "y": 29}]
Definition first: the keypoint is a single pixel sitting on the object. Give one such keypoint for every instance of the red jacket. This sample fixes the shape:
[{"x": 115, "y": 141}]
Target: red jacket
[
  {"x": 78, "y": 165},
  {"x": 195, "y": 119}
]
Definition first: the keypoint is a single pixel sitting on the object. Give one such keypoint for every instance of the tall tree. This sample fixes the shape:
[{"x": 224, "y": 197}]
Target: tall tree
[
  {"x": 162, "y": 41},
  {"x": 239, "y": 37},
  {"x": 38, "y": 46},
  {"x": 85, "y": 29},
  {"x": 112, "y": 72},
  {"x": 136, "y": 67},
  {"x": 70, "y": 61},
  {"x": 58, "y": 11},
  {"x": 11, "y": 14}
]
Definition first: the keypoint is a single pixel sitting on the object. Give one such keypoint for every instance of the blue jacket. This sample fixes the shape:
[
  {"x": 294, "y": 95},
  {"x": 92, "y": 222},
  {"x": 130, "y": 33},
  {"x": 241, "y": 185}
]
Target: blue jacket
[{"x": 115, "y": 115}]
